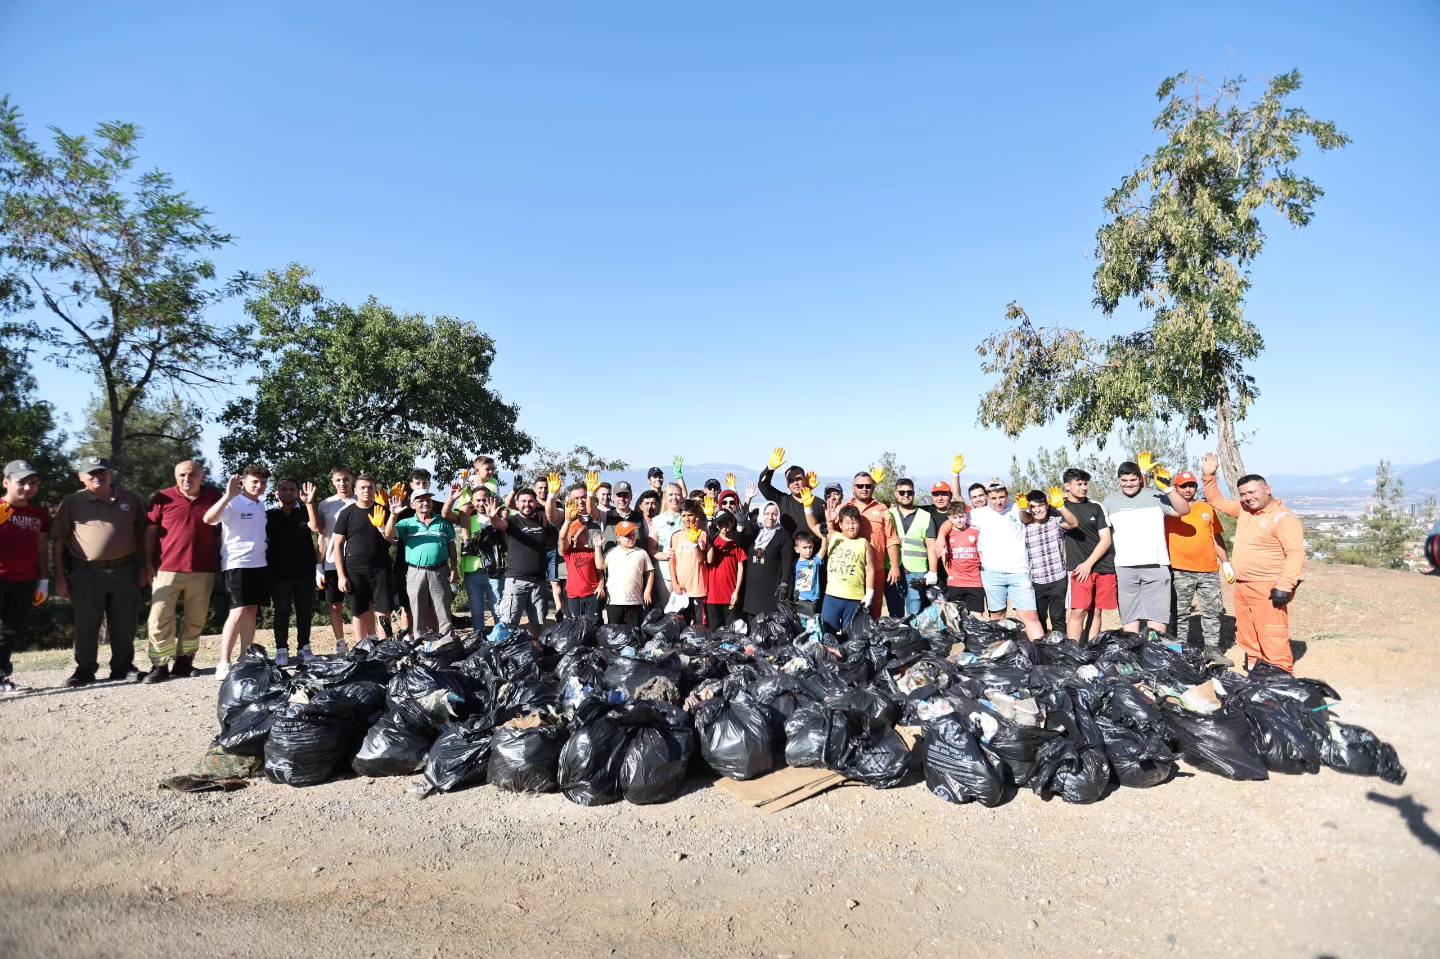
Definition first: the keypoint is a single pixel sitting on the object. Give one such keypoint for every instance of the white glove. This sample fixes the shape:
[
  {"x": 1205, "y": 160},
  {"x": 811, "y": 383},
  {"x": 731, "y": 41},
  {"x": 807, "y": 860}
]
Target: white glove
[
  {"x": 1227, "y": 571},
  {"x": 931, "y": 579},
  {"x": 42, "y": 591},
  {"x": 319, "y": 576},
  {"x": 869, "y": 595}
]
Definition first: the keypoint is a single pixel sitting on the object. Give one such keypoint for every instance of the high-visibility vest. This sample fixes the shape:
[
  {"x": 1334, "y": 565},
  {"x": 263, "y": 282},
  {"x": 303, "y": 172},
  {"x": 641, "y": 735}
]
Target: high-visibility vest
[{"x": 914, "y": 557}]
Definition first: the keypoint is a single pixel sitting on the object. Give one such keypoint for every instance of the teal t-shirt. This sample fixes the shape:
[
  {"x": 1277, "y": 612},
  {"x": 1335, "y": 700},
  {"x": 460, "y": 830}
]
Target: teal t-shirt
[{"x": 425, "y": 545}]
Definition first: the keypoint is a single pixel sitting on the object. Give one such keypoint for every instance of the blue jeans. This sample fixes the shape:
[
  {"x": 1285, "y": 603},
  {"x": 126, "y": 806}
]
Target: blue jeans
[
  {"x": 907, "y": 597},
  {"x": 1014, "y": 589},
  {"x": 483, "y": 595},
  {"x": 836, "y": 613}
]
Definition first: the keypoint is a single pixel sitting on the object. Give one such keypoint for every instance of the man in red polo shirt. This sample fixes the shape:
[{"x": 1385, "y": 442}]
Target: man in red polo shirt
[
  {"x": 875, "y": 526},
  {"x": 186, "y": 552}
]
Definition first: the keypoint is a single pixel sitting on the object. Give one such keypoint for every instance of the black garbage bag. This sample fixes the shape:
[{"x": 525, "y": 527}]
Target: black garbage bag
[
  {"x": 871, "y": 701},
  {"x": 1077, "y": 772},
  {"x": 1015, "y": 747},
  {"x": 397, "y": 744},
  {"x": 1065, "y": 653},
  {"x": 693, "y": 636},
  {"x": 570, "y": 633},
  {"x": 1174, "y": 668},
  {"x": 526, "y": 760},
  {"x": 956, "y": 768},
  {"x": 613, "y": 638},
  {"x": 521, "y": 695},
  {"x": 737, "y": 735},
  {"x": 590, "y": 762},
  {"x": 1139, "y": 758},
  {"x": 439, "y": 652},
  {"x": 323, "y": 671},
  {"x": 660, "y": 742},
  {"x": 514, "y": 656},
  {"x": 254, "y": 678},
  {"x": 366, "y": 700},
  {"x": 900, "y": 639},
  {"x": 782, "y": 692},
  {"x": 805, "y": 734},
  {"x": 865, "y": 749},
  {"x": 629, "y": 674},
  {"x": 770, "y": 630},
  {"x": 417, "y": 681},
  {"x": 1219, "y": 742},
  {"x": 1355, "y": 749},
  {"x": 661, "y": 625},
  {"x": 247, "y": 727},
  {"x": 311, "y": 741},
  {"x": 385, "y": 651},
  {"x": 1270, "y": 684},
  {"x": 459, "y": 756},
  {"x": 1287, "y": 735},
  {"x": 586, "y": 665},
  {"x": 1128, "y": 706}
]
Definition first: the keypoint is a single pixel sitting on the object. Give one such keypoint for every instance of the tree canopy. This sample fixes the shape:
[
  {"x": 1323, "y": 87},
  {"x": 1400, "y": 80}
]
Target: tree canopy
[
  {"x": 158, "y": 434},
  {"x": 1183, "y": 229},
  {"x": 27, "y": 427},
  {"x": 366, "y": 386}
]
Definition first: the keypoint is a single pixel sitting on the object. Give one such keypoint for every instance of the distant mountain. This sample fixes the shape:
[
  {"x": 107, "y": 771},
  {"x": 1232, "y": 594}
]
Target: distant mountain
[{"x": 1420, "y": 479}]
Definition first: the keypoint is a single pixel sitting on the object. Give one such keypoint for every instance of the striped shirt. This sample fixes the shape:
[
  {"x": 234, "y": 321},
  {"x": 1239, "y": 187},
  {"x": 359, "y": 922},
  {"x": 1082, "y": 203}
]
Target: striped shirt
[{"x": 1043, "y": 552}]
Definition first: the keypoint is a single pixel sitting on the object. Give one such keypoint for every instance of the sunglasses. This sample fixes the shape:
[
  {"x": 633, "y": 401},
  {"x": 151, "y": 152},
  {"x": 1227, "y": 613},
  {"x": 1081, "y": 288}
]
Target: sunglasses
[
  {"x": 864, "y": 485},
  {"x": 904, "y": 492}
]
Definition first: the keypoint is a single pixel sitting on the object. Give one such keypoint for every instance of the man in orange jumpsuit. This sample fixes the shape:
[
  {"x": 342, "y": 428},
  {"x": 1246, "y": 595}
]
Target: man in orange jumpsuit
[
  {"x": 875, "y": 526},
  {"x": 1269, "y": 558}
]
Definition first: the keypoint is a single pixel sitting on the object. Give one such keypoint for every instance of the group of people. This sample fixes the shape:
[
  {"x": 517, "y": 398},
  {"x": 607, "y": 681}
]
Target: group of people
[{"x": 1152, "y": 551}]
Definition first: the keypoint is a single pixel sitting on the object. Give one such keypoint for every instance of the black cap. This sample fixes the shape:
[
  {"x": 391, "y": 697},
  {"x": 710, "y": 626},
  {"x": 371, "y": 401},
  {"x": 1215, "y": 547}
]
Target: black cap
[
  {"x": 91, "y": 464},
  {"x": 655, "y": 471}
]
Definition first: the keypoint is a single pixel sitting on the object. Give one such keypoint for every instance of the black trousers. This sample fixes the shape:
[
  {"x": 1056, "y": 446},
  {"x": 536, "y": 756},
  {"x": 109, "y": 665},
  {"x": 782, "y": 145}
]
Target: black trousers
[
  {"x": 718, "y": 615},
  {"x": 1050, "y": 604},
  {"x": 16, "y": 600},
  {"x": 624, "y": 615},
  {"x": 108, "y": 597},
  {"x": 297, "y": 593}
]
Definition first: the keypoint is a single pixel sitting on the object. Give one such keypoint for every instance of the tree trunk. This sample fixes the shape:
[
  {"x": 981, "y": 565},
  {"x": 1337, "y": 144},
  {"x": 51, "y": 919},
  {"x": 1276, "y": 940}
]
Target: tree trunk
[
  {"x": 117, "y": 433},
  {"x": 1230, "y": 459}
]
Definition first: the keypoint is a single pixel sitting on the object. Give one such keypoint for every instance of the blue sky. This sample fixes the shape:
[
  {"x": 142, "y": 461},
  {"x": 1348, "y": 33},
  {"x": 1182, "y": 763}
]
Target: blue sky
[{"x": 715, "y": 230}]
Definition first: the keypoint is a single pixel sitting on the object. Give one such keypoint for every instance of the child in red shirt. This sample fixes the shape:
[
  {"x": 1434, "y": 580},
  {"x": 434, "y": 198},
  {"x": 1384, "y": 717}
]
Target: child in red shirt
[
  {"x": 724, "y": 572},
  {"x": 960, "y": 543}
]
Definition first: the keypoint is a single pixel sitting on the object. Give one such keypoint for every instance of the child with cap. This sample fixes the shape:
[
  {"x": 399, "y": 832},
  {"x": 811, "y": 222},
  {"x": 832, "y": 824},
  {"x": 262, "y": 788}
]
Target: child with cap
[
  {"x": 724, "y": 572},
  {"x": 629, "y": 576}
]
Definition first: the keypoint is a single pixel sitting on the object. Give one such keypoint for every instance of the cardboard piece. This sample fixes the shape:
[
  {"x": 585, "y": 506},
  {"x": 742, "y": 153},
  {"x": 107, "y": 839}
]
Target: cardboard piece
[{"x": 782, "y": 788}]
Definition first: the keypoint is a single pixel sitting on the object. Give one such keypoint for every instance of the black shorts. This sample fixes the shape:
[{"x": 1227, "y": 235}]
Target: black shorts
[
  {"x": 248, "y": 587},
  {"x": 399, "y": 597},
  {"x": 333, "y": 596},
  {"x": 972, "y": 597},
  {"x": 369, "y": 590}
]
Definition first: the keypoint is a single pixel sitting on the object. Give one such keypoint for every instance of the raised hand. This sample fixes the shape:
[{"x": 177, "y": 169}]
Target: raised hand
[
  {"x": 957, "y": 465},
  {"x": 592, "y": 480},
  {"x": 235, "y": 485},
  {"x": 552, "y": 483},
  {"x": 1210, "y": 465},
  {"x": 878, "y": 474},
  {"x": 807, "y": 496},
  {"x": 307, "y": 493},
  {"x": 1162, "y": 478},
  {"x": 777, "y": 458},
  {"x": 812, "y": 480},
  {"x": 572, "y": 510},
  {"x": 1055, "y": 497},
  {"x": 1022, "y": 501},
  {"x": 678, "y": 463},
  {"x": 709, "y": 506},
  {"x": 750, "y": 492},
  {"x": 729, "y": 480},
  {"x": 397, "y": 494},
  {"x": 1146, "y": 461}
]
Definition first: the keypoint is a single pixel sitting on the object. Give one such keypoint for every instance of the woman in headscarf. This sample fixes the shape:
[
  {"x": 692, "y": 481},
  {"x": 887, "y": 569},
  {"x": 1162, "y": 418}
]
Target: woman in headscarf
[{"x": 771, "y": 566}]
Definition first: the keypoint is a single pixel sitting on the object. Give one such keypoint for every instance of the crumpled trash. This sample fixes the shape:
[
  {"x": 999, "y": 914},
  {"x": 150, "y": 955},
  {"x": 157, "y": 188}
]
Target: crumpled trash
[
  {"x": 1355, "y": 749},
  {"x": 525, "y": 754},
  {"x": 459, "y": 756},
  {"x": 1077, "y": 772},
  {"x": 956, "y": 768},
  {"x": 659, "y": 744},
  {"x": 737, "y": 735},
  {"x": 1221, "y": 743}
]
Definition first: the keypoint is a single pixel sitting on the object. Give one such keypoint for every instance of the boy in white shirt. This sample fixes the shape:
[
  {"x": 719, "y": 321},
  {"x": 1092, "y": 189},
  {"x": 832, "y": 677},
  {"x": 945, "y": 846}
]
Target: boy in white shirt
[
  {"x": 243, "y": 542},
  {"x": 629, "y": 584}
]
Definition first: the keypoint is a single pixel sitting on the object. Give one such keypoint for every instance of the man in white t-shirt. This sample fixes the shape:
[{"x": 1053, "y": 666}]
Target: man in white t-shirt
[
  {"x": 1142, "y": 554},
  {"x": 241, "y": 516},
  {"x": 323, "y": 526},
  {"x": 664, "y": 526},
  {"x": 629, "y": 576},
  {"x": 1004, "y": 566}
]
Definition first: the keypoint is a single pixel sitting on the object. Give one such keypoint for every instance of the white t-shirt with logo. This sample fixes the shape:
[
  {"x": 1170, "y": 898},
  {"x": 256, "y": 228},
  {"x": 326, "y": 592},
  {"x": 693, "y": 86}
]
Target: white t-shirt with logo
[
  {"x": 625, "y": 576},
  {"x": 330, "y": 508},
  {"x": 242, "y": 534},
  {"x": 1002, "y": 540}
]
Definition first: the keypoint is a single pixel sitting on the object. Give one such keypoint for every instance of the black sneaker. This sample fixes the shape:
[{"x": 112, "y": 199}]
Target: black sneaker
[
  {"x": 81, "y": 677},
  {"x": 157, "y": 675},
  {"x": 123, "y": 675},
  {"x": 183, "y": 667}
]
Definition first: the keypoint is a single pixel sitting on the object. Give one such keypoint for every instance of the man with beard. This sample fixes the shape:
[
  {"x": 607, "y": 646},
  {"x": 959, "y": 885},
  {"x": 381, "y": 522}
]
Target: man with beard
[
  {"x": 528, "y": 539},
  {"x": 792, "y": 507}
]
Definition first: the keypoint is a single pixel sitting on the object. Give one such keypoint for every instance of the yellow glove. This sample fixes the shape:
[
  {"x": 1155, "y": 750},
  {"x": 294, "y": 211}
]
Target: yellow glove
[
  {"x": 6, "y": 511},
  {"x": 572, "y": 511},
  {"x": 709, "y": 506},
  {"x": 1022, "y": 501},
  {"x": 694, "y": 534},
  {"x": 397, "y": 493},
  {"x": 729, "y": 480},
  {"x": 878, "y": 474},
  {"x": 777, "y": 458},
  {"x": 552, "y": 483},
  {"x": 464, "y": 475},
  {"x": 958, "y": 464},
  {"x": 1055, "y": 497},
  {"x": 592, "y": 480},
  {"x": 812, "y": 480},
  {"x": 1162, "y": 478},
  {"x": 807, "y": 496},
  {"x": 377, "y": 515},
  {"x": 1146, "y": 462}
]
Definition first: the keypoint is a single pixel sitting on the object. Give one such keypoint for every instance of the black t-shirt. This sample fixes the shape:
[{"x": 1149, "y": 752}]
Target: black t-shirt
[
  {"x": 1081, "y": 541},
  {"x": 290, "y": 550},
  {"x": 613, "y": 518},
  {"x": 366, "y": 550},
  {"x": 526, "y": 543}
]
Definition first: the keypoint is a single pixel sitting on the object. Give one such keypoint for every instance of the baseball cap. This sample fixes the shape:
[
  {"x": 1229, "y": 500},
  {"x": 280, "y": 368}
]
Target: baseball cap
[
  {"x": 655, "y": 471},
  {"x": 418, "y": 495},
  {"x": 942, "y": 487},
  {"x": 622, "y": 487},
  {"x": 626, "y": 528},
  {"x": 834, "y": 488},
  {"x": 19, "y": 469},
  {"x": 91, "y": 464},
  {"x": 1185, "y": 476}
]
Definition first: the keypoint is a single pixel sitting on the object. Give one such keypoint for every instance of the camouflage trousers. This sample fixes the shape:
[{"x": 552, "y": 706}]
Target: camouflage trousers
[{"x": 1202, "y": 590}]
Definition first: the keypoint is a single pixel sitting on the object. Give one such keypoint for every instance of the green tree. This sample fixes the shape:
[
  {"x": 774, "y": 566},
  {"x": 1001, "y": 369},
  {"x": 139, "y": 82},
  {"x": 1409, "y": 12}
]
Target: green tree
[
  {"x": 1165, "y": 443},
  {"x": 27, "y": 428},
  {"x": 1183, "y": 231},
  {"x": 894, "y": 471},
  {"x": 1388, "y": 528},
  {"x": 118, "y": 263},
  {"x": 365, "y": 386},
  {"x": 158, "y": 435},
  {"x": 572, "y": 465}
]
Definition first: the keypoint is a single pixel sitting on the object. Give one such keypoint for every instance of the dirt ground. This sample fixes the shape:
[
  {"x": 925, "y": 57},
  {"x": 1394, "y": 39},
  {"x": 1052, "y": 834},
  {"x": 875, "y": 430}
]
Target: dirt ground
[{"x": 96, "y": 861}]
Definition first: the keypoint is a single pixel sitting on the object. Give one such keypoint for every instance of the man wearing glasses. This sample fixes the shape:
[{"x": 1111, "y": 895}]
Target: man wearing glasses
[
  {"x": 875, "y": 526},
  {"x": 915, "y": 529}
]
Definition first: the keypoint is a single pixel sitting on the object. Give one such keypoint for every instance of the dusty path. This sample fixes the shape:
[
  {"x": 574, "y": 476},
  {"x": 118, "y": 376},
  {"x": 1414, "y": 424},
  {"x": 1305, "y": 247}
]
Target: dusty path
[{"x": 98, "y": 862}]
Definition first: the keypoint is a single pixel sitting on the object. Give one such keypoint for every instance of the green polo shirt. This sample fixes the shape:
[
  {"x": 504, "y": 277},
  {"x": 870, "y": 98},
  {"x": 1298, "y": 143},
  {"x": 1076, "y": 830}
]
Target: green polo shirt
[{"x": 425, "y": 545}]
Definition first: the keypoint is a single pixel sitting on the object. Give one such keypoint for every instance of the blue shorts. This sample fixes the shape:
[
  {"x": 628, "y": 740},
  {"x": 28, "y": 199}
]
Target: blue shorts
[
  {"x": 1002, "y": 589},
  {"x": 552, "y": 565}
]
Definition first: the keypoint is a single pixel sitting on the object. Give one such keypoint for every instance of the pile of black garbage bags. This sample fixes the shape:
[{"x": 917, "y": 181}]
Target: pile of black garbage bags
[{"x": 603, "y": 713}]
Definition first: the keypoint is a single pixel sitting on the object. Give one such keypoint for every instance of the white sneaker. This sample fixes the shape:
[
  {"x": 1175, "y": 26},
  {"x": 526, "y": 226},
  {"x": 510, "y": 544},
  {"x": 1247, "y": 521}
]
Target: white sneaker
[
  {"x": 340, "y": 648},
  {"x": 282, "y": 657},
  {"x": 305, "y": 655},
  {"x": 8, "y": 687},
  {"x": 222, "y": 669}
]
